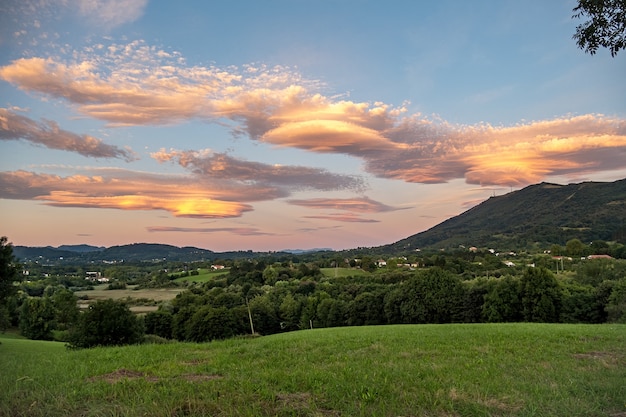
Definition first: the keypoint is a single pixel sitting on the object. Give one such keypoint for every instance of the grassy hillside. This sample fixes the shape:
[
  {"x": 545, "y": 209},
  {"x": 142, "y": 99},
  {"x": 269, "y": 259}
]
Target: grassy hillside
[{"x": 411, "y": 370}]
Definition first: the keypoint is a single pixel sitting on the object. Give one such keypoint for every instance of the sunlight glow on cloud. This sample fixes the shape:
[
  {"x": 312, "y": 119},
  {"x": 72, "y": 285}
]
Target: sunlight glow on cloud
[
  {"x": 47, "y": 133},
  {"x": 179, "y": 196}
]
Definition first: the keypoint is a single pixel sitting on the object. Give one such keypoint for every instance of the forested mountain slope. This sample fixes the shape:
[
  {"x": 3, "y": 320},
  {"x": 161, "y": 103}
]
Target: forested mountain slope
[{"x": 543, "y": 213}]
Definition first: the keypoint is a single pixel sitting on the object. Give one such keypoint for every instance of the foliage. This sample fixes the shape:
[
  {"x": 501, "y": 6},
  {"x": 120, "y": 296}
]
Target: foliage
[
  {"x": 503, "y": 303},
  {"x": 540, "y": 295},
  {"x": 159, "y": 323},
  {"x": 37, "y": 318},
  {"x": 616, "y": 307},
  {"x": 66, "y": 311},
  {"x": 605, "y": 28},
  {"x": 106, "y": 323},
  {"x": 8, "y": 269}
]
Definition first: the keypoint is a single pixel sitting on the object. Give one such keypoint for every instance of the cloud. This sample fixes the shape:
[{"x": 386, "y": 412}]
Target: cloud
[
  {"x": 214, "y": 165},
  {"x": 343, "y": 217},
  {"x": 37, "y": 15},
  {"x": 137, "y": 84},
  {"x": 359, "y": 205},
  {"x": 239, "y": 231},
  {"x": 47, "y": 133},
  {"x": 180, "y": 196},
  {"x": 110, "y": 13}
]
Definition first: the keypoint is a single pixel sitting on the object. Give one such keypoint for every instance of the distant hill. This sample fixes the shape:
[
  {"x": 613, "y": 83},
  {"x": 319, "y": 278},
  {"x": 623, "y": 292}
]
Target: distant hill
[
  {"x": 538, "y": 214},
  {"x": 81, "y": 248},
  {"x": 136, "y": 252},
  {"x": 133, "y": 252}
]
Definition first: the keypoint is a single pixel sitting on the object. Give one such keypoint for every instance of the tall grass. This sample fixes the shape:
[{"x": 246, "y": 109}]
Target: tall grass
[{"x": 410, "y": 370}]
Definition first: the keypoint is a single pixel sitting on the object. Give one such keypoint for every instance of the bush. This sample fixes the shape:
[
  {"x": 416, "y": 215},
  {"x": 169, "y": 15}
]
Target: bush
[
  {"x": 37, "y": 318},
  {"x": 106, "y": 323}
]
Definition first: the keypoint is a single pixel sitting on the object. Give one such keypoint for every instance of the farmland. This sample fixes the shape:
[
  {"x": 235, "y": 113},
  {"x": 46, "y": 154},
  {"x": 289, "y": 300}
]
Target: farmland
[{"x": 519, "y": 369}]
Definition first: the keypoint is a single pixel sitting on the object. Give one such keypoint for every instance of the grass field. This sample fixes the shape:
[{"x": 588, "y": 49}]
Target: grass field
[
  {"x": 409, "y": 370},
  {"x": 203, "y": 276},
  {"x": 343, "y": 272}
]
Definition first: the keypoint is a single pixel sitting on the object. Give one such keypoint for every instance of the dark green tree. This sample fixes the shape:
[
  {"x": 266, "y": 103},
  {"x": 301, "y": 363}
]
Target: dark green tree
[
  {"x": 367, "y": 309},
  {"x": 159, "y": 323},
  {"x": 106, "y": 323},
  {"x": 8, "y": 272},
  {"x": 66, "y": 309},
  {"x": 37, "y": 318},
  {"x": 605, "y": 28},
  {"x": 616, "y": 306},
  {"x": 210, "y": 323},
  {"x": 541, "y": 296},
  {"x": 264, "y": 315},
  {"x": 433, "y": 296},
  {"x": 503, "y": 302}
]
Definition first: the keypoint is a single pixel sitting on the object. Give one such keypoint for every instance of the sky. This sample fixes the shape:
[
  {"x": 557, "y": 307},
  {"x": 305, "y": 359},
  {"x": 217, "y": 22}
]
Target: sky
[{"x": 290, "y": 124}]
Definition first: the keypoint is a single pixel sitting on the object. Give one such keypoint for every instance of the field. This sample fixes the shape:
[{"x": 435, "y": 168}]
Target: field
[
  {"x": 203, "y": 276},
  {"x": 144, "y": 300},
  {"x": 407, "y": 370},
  {"x": 343, "y": 272}
]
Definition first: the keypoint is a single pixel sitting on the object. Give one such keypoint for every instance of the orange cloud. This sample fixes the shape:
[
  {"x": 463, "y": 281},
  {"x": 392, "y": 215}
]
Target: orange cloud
[
  {"x": 186, "y": 205},
  {"x": 136, "y": 84},
  {"x": 138, "y": 192},
  {"x": 330, "y": 136}
]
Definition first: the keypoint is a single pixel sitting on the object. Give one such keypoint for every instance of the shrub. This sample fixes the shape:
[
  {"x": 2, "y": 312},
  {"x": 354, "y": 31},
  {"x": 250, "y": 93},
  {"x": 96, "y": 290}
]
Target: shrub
[{"x": 106, "y": 323}]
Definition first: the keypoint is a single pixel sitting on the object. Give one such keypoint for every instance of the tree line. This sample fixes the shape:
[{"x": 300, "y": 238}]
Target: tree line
[{"x": 267, "y": 297}]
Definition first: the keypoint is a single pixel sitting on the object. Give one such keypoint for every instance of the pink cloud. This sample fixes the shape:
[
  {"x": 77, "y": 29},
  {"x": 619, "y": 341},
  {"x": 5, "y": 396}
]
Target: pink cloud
[
  {"x": 47, "y": 133},
  {"x": 359, "y": 205}
]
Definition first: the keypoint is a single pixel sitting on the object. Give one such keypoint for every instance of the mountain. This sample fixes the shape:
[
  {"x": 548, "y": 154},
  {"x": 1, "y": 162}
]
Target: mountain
[
  {"x": 81, "y": 248},
  {"x": 132, "y": 252},
  {"x": 136, "y": 252},
  {"x": 543, "y": 213}
]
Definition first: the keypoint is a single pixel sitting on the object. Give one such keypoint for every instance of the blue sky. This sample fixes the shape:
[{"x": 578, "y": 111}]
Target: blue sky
[{"x": 290, "y": 124}]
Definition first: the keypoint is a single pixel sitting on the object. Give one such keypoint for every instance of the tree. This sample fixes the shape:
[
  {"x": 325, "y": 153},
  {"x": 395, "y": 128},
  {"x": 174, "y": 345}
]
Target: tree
[
  {"x": 541, "y": 296},
  {"x": 574, "y": 247},
  {"x": 159, "y": 323},
  {"x": 433, "y": 296},
  {"x": 37, "y": 318},
  {"x": 106, "y": 323},
  {"x": 606, "y": 27},
  {"x": 502, "y": 303},
  {"x": 66, "y": 310},
  {"x": 8, "y": 269}
]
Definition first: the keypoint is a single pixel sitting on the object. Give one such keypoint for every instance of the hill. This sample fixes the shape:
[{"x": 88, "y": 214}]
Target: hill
[
  {"x": 416, "y": 370},
  {"x": 543, "y": 213},
  {"x": 135, "y": 252}
]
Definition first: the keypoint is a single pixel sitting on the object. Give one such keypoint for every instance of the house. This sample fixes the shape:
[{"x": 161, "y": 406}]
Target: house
[{"x": 599, "y": 257}]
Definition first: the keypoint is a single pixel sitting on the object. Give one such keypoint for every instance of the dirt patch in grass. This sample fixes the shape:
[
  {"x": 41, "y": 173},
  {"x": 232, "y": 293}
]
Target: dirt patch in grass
[
  {"x": 127, "y": 374},
  {"x": 122, "y": 374},
  {"x": 199, "y": 377},
  {"x": 607, "y": 359}
]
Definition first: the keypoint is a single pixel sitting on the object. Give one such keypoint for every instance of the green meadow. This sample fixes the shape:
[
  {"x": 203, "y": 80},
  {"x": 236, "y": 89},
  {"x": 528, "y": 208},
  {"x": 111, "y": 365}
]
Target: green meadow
[{"x": 397, "y": 370}]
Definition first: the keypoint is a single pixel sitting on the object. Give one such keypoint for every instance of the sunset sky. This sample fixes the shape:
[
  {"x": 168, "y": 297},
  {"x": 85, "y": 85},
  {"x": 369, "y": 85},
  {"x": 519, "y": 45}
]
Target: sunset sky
[{"x": 290, "y": 124}]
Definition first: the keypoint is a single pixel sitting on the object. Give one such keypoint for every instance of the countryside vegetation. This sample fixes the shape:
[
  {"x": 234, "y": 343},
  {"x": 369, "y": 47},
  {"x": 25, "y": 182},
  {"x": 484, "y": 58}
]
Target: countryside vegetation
[{"x": 424, "y": 333}]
